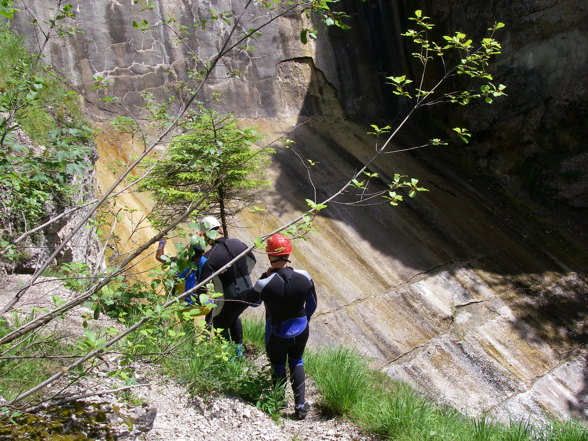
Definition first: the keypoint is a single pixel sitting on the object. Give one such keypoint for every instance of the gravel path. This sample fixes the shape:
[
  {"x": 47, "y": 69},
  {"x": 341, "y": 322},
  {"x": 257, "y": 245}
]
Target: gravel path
[{"x": 184, "y": 418}]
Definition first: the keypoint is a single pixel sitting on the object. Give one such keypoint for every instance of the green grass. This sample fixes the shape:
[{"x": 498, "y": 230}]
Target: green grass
[
  {"x": 254, "y": 332},
  {"x": 394, "y": 411},
  {"x": 209, "y": 367},
  {"x": 341, "y": 376},
  {"x": 18, "y": 375}
]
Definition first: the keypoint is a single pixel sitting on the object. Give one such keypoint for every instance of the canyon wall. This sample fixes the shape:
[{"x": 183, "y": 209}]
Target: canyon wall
[
  {"x": 535, "y": 139},
  {"x": 474, "y": 301}
]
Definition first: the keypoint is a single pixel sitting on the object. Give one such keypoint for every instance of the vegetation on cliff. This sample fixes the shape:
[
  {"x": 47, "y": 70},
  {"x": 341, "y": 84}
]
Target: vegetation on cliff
[{"x": 45, "y": 143}]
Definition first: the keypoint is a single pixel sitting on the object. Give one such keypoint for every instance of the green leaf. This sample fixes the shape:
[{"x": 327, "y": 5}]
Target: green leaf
[
  {"x": 58, "y": 301},
  {"x": 314, "y": 206},
  {"x": 358, "y": 184},
  {"x": 303, "y": 36},
  {"x": 7, "y": 10}
]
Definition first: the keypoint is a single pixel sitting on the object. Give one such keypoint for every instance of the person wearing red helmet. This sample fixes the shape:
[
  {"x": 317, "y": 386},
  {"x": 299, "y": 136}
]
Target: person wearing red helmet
[{"x": 289, "y": 297}]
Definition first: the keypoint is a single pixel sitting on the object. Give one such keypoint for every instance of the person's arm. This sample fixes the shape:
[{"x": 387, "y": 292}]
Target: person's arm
[
  {"x": 160, "y": 251},
  {"x": 255, "y": 294},
  {"x": 253, "y": 298},
  {"x": 310, "y": 301}
]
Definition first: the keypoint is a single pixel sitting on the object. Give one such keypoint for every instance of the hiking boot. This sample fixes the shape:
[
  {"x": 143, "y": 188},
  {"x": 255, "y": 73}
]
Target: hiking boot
[{"x": 300, "y": 411}]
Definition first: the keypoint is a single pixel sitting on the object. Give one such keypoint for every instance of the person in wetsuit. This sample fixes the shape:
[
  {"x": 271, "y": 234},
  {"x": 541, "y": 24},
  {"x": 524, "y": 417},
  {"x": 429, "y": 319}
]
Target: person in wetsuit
[
  {"x": 290, "y": 300},
  {"x": 235, "y": 282}
]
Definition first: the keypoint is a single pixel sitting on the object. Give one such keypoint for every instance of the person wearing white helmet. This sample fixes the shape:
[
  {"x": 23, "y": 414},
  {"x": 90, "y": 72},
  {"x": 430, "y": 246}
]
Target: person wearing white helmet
[
  {"x": 209, "y": 223},
  {"x": 234, "y": 283}
]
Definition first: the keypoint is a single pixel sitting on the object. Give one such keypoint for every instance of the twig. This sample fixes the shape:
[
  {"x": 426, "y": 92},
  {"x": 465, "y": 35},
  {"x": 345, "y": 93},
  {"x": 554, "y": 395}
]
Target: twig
[{"x": 81, "y": 397}]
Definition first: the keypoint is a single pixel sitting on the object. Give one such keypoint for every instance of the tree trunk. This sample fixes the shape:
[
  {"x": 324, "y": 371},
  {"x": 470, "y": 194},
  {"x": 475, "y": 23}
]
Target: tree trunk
[{"x": 223, "y": 213}]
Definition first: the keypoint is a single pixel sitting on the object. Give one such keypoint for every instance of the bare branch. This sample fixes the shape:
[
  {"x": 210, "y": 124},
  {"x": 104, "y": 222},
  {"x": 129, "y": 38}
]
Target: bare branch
[{"x": 83, "y": 396}]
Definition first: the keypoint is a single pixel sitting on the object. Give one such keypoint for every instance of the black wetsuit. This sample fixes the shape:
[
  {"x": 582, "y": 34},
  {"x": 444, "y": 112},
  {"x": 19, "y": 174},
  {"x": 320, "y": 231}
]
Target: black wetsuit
[
  {"x": 290, "y": 300},
  {"x": 234, "y": 283}
]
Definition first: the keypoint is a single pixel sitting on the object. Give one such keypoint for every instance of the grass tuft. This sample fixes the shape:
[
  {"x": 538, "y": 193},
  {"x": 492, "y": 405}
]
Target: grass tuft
[
  {"x": 254, "y": 332},
  {"x": 395, "y": 411},
  {"x": 341, "y": 377}
]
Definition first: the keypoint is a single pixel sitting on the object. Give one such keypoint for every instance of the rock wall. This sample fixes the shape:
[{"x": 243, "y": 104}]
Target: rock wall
[
  {"x": 154, "y": 60},
  {"x": 475, "y": 303},
  {"x": 536, "y": 137},
  {"x": 447, "y": 292}
]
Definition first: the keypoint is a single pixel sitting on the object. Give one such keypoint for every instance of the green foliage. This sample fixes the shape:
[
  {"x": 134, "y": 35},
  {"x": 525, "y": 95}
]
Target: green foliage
[
  {"x": 457, "y": 56},
  {"x": 123, "y": 297},
  {"x": 7, "y": 9},
  {"x": 325, "y": 10},
  {"x": 314, "y": 207},
  {"x": 76, "y": 275},
  {"x": 33, "y": 180},
  {"x": 91, "y": 342},
  {"x": 19, "y": 373},
  {"x": 212, "y": 150},
  {"x": 256, "y": 387}
]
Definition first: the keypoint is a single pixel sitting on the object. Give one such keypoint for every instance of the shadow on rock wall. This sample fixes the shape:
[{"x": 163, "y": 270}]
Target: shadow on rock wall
[{"x": 362, "y": 253}]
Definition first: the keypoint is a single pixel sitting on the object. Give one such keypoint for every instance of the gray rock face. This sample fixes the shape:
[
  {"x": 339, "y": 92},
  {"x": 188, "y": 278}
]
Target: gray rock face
[
  {"x": 154, "y": 60},
  {"x": 455, "y": 292},
  {"x": 447, "y": 292},
  {"x": 537, "y": 135}
]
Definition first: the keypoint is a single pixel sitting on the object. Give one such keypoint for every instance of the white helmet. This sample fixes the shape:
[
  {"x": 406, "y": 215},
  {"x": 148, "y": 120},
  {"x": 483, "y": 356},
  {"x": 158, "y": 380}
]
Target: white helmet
[{"x": 209, "y": 223}]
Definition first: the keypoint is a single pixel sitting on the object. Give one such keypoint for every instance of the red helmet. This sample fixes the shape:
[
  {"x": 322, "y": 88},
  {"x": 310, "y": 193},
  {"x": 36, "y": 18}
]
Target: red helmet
[{"x": 278, "y": 245}]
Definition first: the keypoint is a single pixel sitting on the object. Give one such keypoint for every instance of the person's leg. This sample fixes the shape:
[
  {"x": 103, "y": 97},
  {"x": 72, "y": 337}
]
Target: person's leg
[
  {"x": 226, "y": 320},
  {"x": 208, "y": 321},
  {"x": 276, "y": 349},
  {"x": 236, "y": 331},
  {"x": 297, "y": 378},
  {"x": 229, "y": 318},
  {"x": 297, "y": 375}
]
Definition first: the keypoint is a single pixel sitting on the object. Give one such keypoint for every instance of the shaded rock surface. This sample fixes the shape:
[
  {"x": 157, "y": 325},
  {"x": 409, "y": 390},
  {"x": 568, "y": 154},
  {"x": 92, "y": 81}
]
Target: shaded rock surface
[
  {"x": 536, "y": 137},
  {"x": 472, "y": 308}
]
